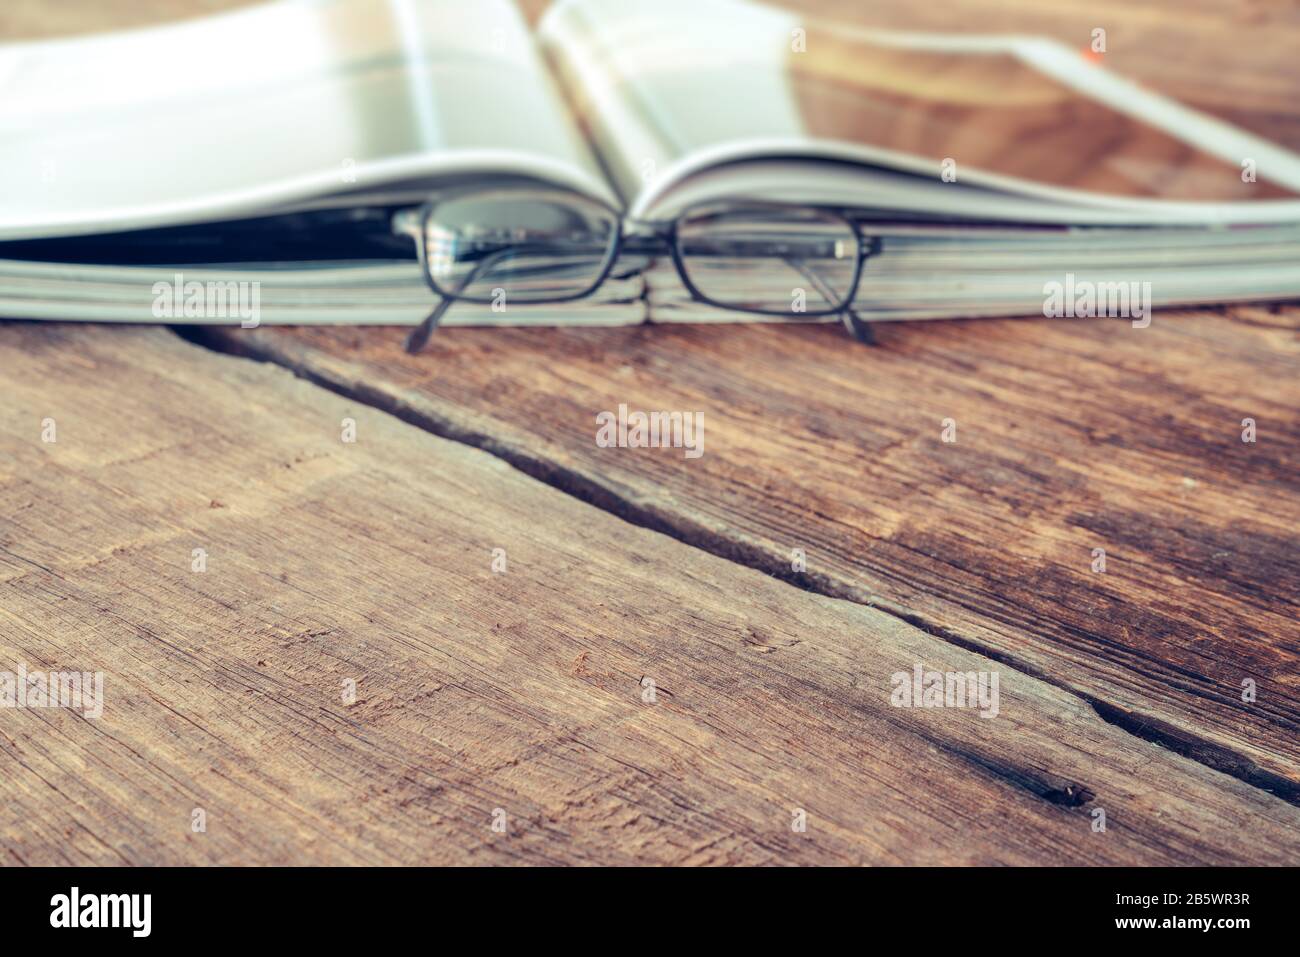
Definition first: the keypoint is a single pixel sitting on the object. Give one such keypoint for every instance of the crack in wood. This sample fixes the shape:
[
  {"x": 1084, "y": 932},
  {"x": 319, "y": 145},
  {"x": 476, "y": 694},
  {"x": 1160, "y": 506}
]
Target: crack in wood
[{"x": 752, "y": 555}]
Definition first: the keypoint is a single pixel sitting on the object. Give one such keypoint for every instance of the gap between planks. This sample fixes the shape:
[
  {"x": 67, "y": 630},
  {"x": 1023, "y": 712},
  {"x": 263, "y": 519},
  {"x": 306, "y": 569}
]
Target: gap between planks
[
  {"x": 678, "y": 525},
  {"x": 743, "y": 727}
]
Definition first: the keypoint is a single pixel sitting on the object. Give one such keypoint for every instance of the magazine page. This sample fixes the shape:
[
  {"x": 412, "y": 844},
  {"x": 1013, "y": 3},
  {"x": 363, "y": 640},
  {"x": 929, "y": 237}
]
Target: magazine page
[
  {"x": 697, "y": 84},
  {"x": 279, "y": 105},
  {"x": 350, "y": 293}
]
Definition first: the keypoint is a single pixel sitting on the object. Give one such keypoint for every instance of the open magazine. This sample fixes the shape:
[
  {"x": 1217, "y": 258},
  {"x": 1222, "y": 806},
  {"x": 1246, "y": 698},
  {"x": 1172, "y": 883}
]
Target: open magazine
[{"x": 277, "y": 145}]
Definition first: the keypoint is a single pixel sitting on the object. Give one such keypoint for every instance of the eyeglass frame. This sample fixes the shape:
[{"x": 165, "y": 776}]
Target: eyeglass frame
[{"x": 628, "y": 237}]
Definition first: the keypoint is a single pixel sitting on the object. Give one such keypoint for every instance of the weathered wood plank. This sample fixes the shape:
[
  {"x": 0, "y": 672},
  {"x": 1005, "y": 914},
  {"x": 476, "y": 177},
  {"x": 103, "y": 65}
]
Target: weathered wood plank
[
  {"x": 371, "y": 561},
  {"x": 1071, "y": 436},
  {"x": 1233, "y": 59}
]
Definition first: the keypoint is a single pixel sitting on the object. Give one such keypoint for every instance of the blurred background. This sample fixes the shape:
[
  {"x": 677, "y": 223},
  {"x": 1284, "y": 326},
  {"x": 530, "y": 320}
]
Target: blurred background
[{"x": 1235, "y": 59}]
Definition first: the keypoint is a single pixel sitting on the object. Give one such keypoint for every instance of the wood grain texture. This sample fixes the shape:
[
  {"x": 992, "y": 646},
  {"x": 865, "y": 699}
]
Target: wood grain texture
[
  {"x": 475, "y": 691},
  {"x": 371, "y": 562},
  {"x": 1071, "y": 436},
  {"x": 1234, "y": 59},
  {"x": 1000, "y": 115}
]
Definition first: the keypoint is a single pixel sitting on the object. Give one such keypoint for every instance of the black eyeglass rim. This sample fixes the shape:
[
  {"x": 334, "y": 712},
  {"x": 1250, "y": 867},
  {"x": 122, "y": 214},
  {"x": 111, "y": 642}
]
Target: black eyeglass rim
[
  {"x": 669, "y": 235},
  {"x": 607, "y": 265},
  {"x": 679, "y": 259}
]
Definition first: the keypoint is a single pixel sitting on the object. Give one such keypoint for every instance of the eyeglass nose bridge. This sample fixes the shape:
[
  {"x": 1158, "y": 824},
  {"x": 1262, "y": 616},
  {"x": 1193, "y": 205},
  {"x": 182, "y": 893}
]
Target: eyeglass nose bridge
[{"x": 645, "y": 238}]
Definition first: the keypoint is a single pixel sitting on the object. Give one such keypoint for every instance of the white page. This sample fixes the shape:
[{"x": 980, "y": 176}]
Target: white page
[
  {"x": 249, "y": 112},
  {"x": 343, "y": 293},
  {"x": 672, "y": 89},
  {"x": 830, "y": 182}
]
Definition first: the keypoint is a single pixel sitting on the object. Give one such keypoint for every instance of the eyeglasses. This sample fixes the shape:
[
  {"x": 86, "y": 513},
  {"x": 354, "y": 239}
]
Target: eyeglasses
[{"x": 521, "y": 246}]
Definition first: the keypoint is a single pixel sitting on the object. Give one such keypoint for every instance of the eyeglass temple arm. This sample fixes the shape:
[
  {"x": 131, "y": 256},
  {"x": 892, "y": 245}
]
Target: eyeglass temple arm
[
  {"x": 419, "y": 337},
  {"x": 856, "y": 327}
]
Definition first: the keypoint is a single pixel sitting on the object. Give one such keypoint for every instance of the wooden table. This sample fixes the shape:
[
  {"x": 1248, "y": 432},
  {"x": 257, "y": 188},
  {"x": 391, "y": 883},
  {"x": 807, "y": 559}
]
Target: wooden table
[{"x": 348, "y": 674}]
